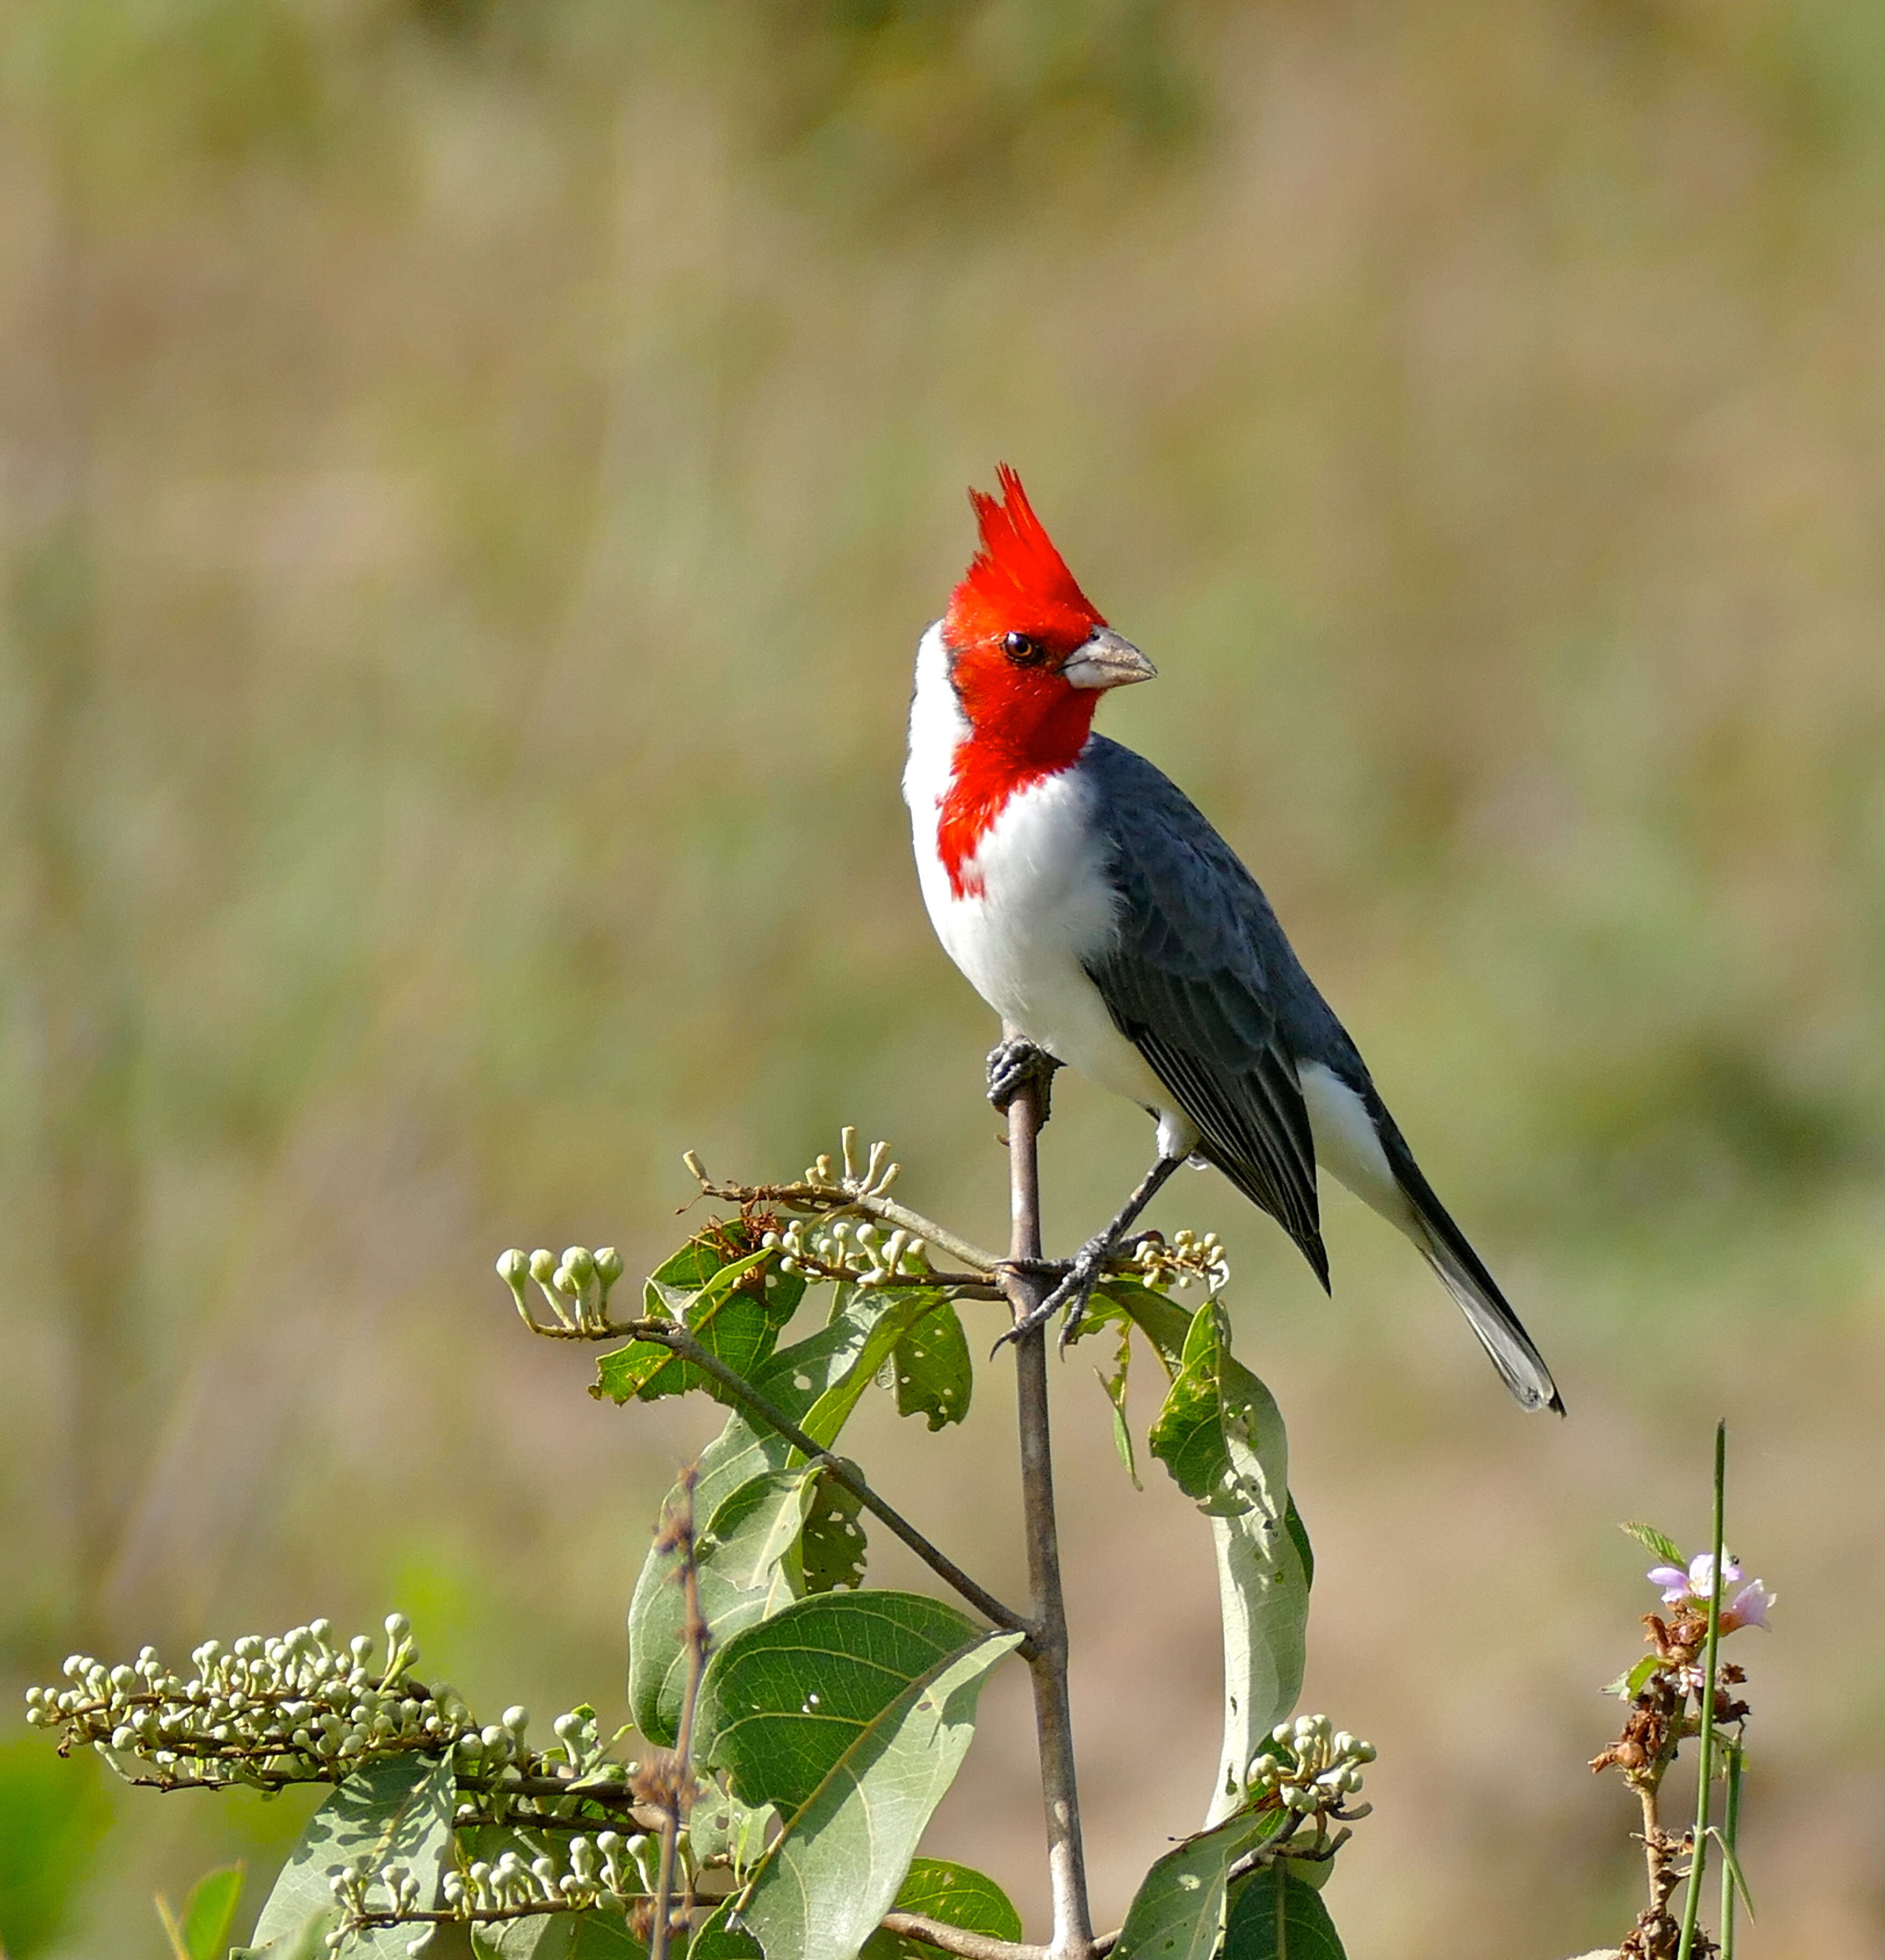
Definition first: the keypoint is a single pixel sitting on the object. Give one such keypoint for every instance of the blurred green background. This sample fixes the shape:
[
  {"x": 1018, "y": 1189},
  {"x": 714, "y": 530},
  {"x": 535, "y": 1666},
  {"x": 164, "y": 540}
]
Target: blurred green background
[{"x": 471, "y": 475}]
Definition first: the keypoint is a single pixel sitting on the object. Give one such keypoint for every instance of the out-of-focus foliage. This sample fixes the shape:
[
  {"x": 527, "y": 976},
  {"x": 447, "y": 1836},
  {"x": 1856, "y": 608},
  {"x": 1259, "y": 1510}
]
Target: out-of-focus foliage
[
  {"x": 52, "y": 1816},
  {"x": 470, "y": 477}
]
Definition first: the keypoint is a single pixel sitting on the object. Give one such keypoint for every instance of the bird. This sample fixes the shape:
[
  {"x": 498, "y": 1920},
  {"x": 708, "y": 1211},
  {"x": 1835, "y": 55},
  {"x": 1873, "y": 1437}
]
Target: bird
[{"x": 1096, "y": 909}]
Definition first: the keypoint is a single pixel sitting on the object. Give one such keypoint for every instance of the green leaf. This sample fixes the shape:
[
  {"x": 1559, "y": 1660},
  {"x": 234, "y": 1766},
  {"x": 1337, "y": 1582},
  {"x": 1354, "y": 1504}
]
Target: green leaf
[
  {"x": 1164, "y": 1322},
  {"x": 1277, "y": 1916},
  {"x": 716, "y": 1939},
  {"x": 954, "y": 1894},
  {"x": 1221, "y": 1436},
  {"x": 1178, "y": 1912},
  {"x": 395, "y": 1811},
  {"x": 202, "y": 1932},
  {"x": 1733, "y": 1865},
  {"x": 816, "y": 1383},
  {"x": 936, "y": 1376},
  {"x": 736, "y": 1315},
  {"x": 738, "y": 1563},
  {"x": 1627, "y": 1687},
  {"x": 851, "y": 1712},
  {"x": 875, "y": 1323},
  {"x": 1660, "y": 1543},
  {"x": 595, "y": 1935},
  {"x": 721, "y": 1827},
  {"x": 681, "y": 1276},
  {"x": 1114, "y": 1385},
  {"x": 832, "y": 1549}
]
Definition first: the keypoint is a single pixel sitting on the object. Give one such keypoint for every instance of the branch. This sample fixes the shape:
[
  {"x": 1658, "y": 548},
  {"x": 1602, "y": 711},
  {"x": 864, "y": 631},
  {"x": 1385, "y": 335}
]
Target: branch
[
  {"x": 948, "y": 1938},
  {"x": 678, "y": 1342},
  {"x": 832, "y": 1198},
  {"x": 1047, "y": 1661}
]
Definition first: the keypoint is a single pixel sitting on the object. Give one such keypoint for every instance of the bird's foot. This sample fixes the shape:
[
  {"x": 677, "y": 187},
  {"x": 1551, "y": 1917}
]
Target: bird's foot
[
  {"x": 1080, "y": 1274},
  {"x": 1017, "y": 1065}
]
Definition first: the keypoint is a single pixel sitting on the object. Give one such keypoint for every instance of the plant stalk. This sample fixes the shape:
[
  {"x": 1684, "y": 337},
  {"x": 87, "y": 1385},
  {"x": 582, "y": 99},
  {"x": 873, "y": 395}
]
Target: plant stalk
[
  {"x": 1705, "y": 1767},
  {"x": 1730, "y": 1826},
  {"x": 1053, "y": 1723}
]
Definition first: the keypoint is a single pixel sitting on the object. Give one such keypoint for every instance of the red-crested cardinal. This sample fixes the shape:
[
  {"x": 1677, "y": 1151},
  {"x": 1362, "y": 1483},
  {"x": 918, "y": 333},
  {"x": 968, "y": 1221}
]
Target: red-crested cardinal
[{"x": 1106, "y": 922}]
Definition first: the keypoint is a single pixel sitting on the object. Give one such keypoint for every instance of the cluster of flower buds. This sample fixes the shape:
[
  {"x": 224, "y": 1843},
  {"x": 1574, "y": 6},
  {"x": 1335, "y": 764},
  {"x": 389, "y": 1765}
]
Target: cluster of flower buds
[
  {"x": 576, "y": 1286},
  {"x": 1182, "y": 1260},
  {"x": 499, "y": 1752},
  {"x": 403, "y": 1897},
  {"x": 608, "y": 1869},
  {"x": 875, "y": 1178},
  {"x": 305, "y": 1707},
  {"x": 1311, "y": 1770},
  {"x": 864, "y": 1255}
]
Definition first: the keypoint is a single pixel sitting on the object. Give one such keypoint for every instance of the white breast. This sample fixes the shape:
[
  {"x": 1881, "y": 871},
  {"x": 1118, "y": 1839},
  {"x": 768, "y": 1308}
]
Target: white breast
[{"x": 1043, "y": 902}]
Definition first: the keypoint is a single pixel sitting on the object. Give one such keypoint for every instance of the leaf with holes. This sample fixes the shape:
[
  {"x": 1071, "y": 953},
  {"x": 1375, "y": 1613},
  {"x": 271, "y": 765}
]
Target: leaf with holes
[
  {"x": 1179, "y": 1911},
  {"x": 832, "y": 1549},
  {"x": 721, "y": 1830},
  {"x": 875, "y": 1320},
  {"x": 815, "y": 1382},
  {"x": 736, "y": 1315},
  {"x": 1221, "y": 1436},
  {"x": 395, "y": 1811},
  {"x": 850, "y": 1711},
  {"x": 935, "y": 1377}
]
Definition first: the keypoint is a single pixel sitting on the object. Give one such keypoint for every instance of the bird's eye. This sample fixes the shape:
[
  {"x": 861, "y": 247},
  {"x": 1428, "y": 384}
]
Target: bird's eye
[{"x": 1020, "y": 649}]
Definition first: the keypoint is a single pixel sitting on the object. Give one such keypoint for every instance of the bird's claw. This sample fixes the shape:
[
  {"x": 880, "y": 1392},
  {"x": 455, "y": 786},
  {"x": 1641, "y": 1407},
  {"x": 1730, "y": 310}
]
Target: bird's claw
[
  {"x": 1081, "y": 1274},
  {"x": 1018, "y": 1065}
]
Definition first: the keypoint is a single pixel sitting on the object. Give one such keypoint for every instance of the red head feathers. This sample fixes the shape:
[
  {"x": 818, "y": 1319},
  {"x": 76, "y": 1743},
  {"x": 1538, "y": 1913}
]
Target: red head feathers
[{"x": 1017, "y": 582}]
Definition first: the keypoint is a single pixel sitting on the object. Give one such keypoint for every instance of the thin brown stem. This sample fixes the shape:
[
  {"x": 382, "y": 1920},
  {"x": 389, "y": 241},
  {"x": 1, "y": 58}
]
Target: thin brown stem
[
  {"x": 678, "y": 1341},
  {"x": 947, "y": 1938},
  {"x": 834, "y": 1200},
  {"x": 1047, "y": 1661}
]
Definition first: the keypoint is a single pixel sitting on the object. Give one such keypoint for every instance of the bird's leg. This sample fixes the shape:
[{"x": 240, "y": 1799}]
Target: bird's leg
[
  {"x": 1017, "y": 1065},
  {"x": 1091, "y": 1260}
]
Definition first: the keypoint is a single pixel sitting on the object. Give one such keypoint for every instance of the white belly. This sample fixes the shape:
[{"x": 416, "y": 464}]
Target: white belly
[{"x": 1038, "y": 902}]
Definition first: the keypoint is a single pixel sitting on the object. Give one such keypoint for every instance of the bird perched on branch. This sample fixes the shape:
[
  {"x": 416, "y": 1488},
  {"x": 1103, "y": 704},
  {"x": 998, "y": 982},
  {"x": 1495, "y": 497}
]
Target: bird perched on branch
[{"x": 1113, "y": 930}]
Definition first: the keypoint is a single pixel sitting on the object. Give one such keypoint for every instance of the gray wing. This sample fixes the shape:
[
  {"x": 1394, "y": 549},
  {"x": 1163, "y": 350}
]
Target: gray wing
[{"x": 1195, "y": 977}]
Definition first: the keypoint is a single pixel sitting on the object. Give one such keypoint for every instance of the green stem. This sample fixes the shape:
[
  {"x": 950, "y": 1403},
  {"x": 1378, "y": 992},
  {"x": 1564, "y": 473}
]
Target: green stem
[
  {"x": 1730, "y": 1820},
  {"x": 1704, "y": 1771}
]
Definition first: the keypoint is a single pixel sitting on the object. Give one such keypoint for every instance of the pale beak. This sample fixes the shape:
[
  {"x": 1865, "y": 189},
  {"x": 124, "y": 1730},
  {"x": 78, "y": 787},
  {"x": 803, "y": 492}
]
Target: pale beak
[{"x": 1105, "y": 659}]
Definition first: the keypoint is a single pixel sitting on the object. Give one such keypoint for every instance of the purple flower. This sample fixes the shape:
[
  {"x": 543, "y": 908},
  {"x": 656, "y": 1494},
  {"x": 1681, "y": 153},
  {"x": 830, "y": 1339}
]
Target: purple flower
[
  {"x": 1694, "y": 1585},
  {"x": 1673, "y": 1580},
  {"x": 1748, "y": 1607}
]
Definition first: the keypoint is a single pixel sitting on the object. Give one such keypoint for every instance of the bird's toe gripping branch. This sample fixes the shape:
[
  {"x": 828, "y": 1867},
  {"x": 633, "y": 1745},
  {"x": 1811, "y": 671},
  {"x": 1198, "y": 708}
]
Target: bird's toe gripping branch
[
  {"x": 1088, "y": 1265},
  {"x": 1084, "y": 1272},
  {"x": 1016, "y": 1064}
]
